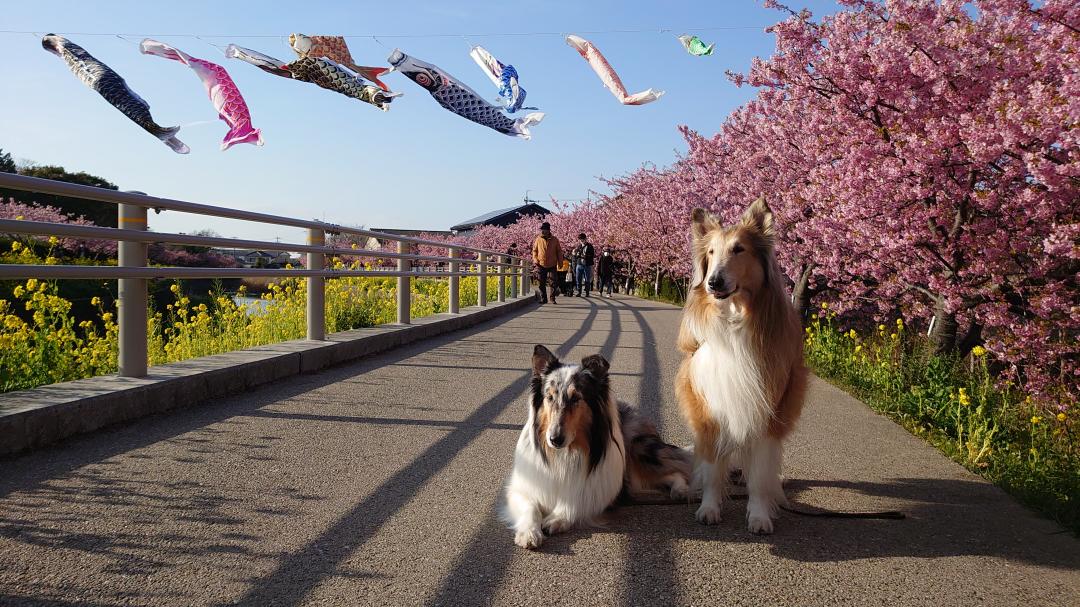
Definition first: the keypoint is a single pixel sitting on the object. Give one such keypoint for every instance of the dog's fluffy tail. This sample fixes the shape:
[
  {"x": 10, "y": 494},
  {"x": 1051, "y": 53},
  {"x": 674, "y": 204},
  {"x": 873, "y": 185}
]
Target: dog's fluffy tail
[{"x": 651, "y": 464}]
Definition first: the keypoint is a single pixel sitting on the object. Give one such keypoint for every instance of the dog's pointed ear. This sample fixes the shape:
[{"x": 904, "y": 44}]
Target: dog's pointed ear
[
  {"x": 596, "y": 364},
  {"x": 543, "y": 360},
  {"x": 701, "y": 221},
  {"x": 759, "y": 217}
]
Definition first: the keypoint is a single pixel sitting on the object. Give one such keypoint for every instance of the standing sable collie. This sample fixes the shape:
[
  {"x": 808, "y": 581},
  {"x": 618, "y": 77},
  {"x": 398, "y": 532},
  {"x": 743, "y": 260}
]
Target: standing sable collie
[
  {"x": 579, "y": 448},
  {"x": 742, "y": 383}
]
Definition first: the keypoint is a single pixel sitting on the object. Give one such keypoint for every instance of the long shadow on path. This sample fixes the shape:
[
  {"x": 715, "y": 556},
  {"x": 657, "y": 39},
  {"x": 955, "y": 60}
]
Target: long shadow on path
[
  {"x": 299, "y": 572},
  {"x": 26, "y": 471}
]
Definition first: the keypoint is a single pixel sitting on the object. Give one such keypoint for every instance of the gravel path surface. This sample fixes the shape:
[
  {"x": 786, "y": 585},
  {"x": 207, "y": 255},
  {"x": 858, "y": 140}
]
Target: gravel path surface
[{"x": 376, "y": 483}]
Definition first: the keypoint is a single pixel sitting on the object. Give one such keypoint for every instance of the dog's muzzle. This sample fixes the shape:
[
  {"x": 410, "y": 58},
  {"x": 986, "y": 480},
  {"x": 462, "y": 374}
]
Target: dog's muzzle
[{"x": 718, "y": 287}]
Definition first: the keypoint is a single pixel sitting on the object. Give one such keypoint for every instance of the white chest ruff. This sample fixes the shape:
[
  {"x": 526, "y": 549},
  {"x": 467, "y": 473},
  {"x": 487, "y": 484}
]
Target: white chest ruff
[{"x": 724, "y": 371}]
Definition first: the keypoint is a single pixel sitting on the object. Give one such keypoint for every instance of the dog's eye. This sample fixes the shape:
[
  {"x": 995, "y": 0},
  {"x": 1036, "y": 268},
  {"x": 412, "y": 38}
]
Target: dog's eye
[
  {"x": 710, "y": 251},
  {"x": 738, "y": 248}
]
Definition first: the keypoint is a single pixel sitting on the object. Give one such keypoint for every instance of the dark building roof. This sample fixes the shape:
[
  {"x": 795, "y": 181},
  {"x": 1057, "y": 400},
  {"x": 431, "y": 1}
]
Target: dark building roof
[
  {"x": 502, "y": 217},
  {"x": 405, "y": 232}
]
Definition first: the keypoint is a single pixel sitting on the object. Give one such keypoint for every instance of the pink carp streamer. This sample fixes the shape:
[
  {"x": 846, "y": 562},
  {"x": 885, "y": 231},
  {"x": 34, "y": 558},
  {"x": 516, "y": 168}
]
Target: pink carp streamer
[
  {"x": 336, "y": 49},
  {"x": 607, "y": 74},
  {"x": 223, "y": 93}
]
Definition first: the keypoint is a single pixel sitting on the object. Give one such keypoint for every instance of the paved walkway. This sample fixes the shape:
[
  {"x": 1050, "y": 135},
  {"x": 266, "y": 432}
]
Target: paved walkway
[{"x": 376, "y": 483}]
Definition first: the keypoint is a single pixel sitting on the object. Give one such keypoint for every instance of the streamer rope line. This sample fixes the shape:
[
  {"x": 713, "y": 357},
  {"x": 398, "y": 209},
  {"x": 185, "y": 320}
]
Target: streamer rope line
[{"x": 429, "y": 35}]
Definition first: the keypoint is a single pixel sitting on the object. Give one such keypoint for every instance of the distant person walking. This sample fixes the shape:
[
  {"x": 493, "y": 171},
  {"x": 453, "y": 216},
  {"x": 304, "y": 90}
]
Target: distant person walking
[
  {"x": 584, "y": 258},
  {"x": 605, "y": 271},
  {"x": 547, "y": 254},
  {"x": 566, "y": 278}
]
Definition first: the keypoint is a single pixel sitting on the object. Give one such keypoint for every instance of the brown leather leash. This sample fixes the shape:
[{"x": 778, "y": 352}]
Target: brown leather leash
[{"x": 893, "y": 515}]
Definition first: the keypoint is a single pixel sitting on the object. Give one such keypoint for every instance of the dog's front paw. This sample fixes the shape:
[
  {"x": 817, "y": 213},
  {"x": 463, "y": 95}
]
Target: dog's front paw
[
  {"x": 760, "y": 524},
  {"x": 708, "y": 514},
  {"x": 679, "y": 489},
  {"x": 554, "y": 525},
  {"x": 529, "y": 538}
]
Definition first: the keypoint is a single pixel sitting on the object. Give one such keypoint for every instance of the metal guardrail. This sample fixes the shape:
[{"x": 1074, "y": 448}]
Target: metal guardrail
[{"x": 132, "y": 270}]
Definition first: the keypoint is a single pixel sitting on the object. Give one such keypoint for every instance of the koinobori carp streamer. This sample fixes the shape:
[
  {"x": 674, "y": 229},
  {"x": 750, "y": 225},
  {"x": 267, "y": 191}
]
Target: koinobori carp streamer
[
  {"x": 607, "y": 74},
  {"x": 340, "y": 79},
  {"x": 112, "y": 87},
  {"x": 503, "y": 76},
  {"x": 460, "y": 99},
  {"x": 695, "y": 46},
  {"x": 265, "y": 63},
  {"x": 336, "y": 49},
  {"x": 221, "y": 89}
]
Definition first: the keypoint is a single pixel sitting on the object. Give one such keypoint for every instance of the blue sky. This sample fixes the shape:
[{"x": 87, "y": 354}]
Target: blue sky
[{"x": 330, "y": 157}]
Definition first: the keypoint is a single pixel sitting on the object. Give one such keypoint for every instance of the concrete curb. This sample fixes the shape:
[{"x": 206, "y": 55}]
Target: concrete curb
[{"x": 30, "y": 419}]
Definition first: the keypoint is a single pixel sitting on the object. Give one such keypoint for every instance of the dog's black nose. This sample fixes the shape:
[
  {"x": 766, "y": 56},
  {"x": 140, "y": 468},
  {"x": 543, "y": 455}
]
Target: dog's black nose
[
  {"x": 556, "y": 441},
  {"x": 716, "y": 283}
]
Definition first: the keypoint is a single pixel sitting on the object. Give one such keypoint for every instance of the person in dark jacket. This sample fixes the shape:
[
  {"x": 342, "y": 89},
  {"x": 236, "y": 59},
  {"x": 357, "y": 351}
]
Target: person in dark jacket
[
  {"x": 584, "y": 258},
  {"x": 605, "y": 271}
]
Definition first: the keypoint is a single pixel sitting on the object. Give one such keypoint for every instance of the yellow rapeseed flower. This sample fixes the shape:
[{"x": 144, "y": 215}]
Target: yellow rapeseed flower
[
  {"x": 95, "y": 301},
  {"x": 858, "y": 348},
  {"x": 31, "y": 284},
  {"x": 53, "y": 241},
  {"x": 978, "y": 351},
  {"x": 892, "y": 336},
  {"x": 1061, "y": 417},
  {"x": 15, "y": 246},
  {"x": 18, "y": 292},
  {"x": 852, "y": 334},
  {"x": 1035, "y": 419},
  {"x": 881, "y": 327},
  {"x": 824, "y": 305},
  {"x": 175, "y": 288},
  {"x": 899, "y": 322}
]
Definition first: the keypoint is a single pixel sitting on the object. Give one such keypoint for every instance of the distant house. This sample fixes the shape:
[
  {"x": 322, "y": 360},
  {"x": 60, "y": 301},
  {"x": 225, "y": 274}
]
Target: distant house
[
  {"x": 257, "y": 258},
  {"x": 501, "y": 218}
]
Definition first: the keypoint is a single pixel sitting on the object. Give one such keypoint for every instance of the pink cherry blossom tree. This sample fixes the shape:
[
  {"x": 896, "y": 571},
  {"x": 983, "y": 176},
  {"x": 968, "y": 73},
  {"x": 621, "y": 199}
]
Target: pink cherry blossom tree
[{"x": 921, "y": 158}]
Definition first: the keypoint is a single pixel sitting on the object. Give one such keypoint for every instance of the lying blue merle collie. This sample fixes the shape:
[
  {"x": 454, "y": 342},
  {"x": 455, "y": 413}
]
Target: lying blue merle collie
[{"x": 579, "y": 449}]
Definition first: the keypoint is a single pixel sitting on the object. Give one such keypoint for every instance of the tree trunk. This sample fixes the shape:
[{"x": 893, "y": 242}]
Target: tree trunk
[
  {"x": 680, "y": 288},
  {"x": 656, "y": 284},
  {"x": 801, "y": 292},
  {"x": 943, "y": 332},
  {"x": 972, "y": 337}
]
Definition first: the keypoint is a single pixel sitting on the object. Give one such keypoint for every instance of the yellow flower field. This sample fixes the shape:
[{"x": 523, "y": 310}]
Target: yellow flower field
[{"x": 46, "y": 345}]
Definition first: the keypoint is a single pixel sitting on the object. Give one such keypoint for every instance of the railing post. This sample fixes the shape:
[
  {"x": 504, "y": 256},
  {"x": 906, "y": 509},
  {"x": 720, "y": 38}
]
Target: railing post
[
  {"x": 514, "y": 277},
  {"x": 316, "y": 288},
  {"x": 455, "y": 282},
  {"x": 526, "y": 277},
  {"x": 404, "y": 286},
  {"x": 132, "y": 296},
  {"x": 481, "y": 284},
  {"x": 502, "y": 279}
]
